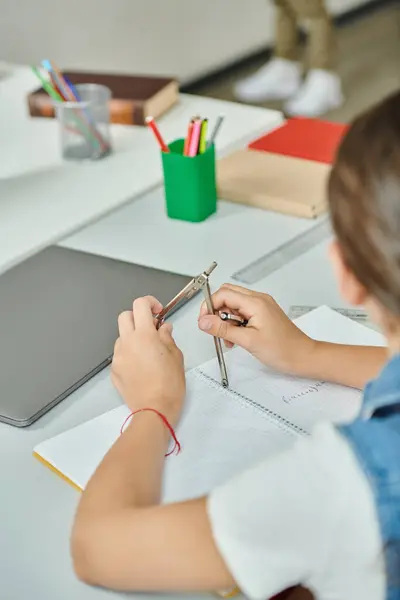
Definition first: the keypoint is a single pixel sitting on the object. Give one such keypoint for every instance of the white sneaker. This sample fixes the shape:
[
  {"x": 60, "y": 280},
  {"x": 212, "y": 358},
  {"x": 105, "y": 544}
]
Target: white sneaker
[
  {"x": 279, "y": 79},
  {"x": 321, "y": 92}
]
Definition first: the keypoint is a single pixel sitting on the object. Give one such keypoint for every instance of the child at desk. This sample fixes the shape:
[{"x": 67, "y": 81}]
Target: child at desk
[{"x": 286, "y": 521}]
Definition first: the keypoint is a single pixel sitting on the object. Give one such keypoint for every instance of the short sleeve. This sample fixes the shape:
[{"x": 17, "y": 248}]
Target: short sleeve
[{"x": 276, "y": 524}]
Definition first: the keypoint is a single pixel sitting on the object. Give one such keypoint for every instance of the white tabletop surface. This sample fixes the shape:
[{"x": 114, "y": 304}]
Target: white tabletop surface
[
  {"x": 36, "y": 186},
  {"x": 142, "y": 233},
  {"x": 36, "y": 506}
]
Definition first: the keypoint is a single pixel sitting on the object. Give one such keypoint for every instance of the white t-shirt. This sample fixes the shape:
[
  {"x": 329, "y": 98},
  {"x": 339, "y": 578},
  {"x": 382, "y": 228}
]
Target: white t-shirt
[{"x": 305, "y": 516}]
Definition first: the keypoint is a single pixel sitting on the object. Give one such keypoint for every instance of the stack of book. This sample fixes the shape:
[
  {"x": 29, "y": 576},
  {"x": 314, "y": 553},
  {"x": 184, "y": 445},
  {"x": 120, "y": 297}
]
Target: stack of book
[
  {"x": 286, "y": 170},
  {"x": 134, "y": 98}
]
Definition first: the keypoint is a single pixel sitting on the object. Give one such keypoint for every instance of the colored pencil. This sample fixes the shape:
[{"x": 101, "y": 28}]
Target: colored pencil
[
  {"x": 58, "y": 80},
  {"x": 188, "y": 138},
  {"x": 47, "y": 85},
  {"x": 152, "y": 124},
  {"x": 53, "y": 81},
  {"x": 79, "y": 99},
  {"x": 215, "y": 131},
  {"x": 203, "y": 136},
  {"x": 87, "y": 127},
  {"x": 194, "y": 142},
  {"x": 54, "y": 94},
  {"x": 73, "y": 89}
]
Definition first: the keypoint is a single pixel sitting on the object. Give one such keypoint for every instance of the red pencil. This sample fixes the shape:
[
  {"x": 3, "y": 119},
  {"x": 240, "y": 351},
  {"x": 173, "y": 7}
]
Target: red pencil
[
  {"x": 152, "y": 124},
  {"x": 188, "y": 138}
]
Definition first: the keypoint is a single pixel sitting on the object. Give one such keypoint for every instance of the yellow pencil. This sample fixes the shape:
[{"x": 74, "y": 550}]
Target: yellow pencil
[{"x": 203, "y": 137}]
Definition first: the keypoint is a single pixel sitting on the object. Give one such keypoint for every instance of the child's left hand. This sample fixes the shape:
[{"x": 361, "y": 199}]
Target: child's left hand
[{"x": 147, "y": 368}]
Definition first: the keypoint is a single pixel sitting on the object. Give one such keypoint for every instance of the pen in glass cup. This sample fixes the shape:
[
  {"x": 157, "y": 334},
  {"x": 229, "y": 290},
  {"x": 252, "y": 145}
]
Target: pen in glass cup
[{"x": 225, "y": 316}]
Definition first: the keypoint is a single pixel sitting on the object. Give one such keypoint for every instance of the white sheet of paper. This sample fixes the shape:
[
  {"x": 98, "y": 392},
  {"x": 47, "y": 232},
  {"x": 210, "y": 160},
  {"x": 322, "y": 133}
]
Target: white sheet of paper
[{"x": 224, "y": 431}]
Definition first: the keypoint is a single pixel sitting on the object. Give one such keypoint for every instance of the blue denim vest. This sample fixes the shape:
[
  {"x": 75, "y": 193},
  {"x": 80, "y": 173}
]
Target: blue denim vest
[{"x": 375, "y": 439}]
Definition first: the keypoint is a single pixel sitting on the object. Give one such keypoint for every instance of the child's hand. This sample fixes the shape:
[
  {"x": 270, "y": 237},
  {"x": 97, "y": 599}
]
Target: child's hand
[
  {"x": 270, "y": 335},
  {"x": 147, "y": 367}
]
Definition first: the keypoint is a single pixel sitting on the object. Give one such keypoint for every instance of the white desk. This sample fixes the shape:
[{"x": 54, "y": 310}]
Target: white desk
[
  {"x": 43, "y": 199},
  {"x": 141, "y": 233},
  {"x": 307, "y": 280}
]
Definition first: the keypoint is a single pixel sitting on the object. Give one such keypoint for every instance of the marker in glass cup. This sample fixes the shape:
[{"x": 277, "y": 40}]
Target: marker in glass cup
[{"x": 225, "y": 316}]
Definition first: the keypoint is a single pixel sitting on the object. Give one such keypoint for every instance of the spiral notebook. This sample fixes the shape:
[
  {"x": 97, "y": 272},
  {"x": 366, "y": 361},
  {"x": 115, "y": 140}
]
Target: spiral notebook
[{"x": 223, "y": 431}]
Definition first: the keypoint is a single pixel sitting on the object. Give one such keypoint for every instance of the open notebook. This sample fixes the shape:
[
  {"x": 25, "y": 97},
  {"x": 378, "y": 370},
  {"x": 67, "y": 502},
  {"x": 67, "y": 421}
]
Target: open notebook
[{"x": 223, "y": 431}]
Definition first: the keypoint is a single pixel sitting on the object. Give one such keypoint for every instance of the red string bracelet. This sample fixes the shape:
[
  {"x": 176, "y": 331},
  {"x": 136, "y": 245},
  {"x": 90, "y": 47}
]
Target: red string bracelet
[{"x": 177, "y": 447}]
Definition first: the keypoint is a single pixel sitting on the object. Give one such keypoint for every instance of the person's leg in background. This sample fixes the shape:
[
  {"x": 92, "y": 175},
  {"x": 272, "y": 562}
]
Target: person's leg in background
[
  {"x": 321, "y": 90},
  {"x": 280, "y": 78}
]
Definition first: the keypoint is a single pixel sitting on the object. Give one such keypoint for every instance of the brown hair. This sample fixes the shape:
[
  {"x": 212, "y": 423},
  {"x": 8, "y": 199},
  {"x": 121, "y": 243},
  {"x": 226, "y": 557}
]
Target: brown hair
[{"x": 364, "y": 201}]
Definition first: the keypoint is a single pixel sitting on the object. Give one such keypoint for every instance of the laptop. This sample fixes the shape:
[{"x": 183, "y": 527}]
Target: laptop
[{"x": 58, "y": 324}]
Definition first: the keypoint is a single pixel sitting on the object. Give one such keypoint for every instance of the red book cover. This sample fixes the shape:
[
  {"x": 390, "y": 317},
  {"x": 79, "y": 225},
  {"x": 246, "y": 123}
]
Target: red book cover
[{"x": 310, "y": 139}]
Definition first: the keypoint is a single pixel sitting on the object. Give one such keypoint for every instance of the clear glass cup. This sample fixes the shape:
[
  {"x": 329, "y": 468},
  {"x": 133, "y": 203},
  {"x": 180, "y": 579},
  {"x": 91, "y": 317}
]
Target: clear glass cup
[{"x": 85, "y": 124}]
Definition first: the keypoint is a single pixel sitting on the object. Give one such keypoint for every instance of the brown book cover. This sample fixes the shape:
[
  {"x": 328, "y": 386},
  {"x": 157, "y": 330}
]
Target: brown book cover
[
  {"x": 133, "y": 97},
  {"x": 283, "y": 184}
]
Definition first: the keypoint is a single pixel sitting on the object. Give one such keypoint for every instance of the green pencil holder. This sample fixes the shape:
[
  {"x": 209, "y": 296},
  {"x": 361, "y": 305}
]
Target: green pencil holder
[{"x": 189, "y": 183}]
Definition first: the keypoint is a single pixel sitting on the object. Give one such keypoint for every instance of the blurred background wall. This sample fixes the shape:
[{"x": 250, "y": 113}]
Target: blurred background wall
[{"x": 186, "y": 38}]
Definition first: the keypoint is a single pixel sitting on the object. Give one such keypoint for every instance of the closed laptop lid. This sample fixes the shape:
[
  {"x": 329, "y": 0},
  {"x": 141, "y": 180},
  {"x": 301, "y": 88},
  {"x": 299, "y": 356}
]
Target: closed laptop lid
[{"x": 58, "y": 324}]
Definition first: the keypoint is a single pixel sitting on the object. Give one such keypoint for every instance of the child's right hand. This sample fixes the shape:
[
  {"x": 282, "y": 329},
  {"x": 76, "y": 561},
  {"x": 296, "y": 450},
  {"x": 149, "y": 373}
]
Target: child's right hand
[{"x": 270, "y": 335}]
